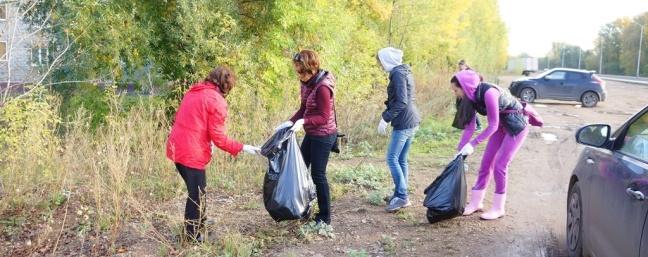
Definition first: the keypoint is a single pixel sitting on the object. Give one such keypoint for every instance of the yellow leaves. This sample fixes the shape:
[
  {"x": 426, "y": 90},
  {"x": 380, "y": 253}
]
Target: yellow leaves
[
  {"x": 27, "y": 126},
  {"x": 379, "y": 9}
]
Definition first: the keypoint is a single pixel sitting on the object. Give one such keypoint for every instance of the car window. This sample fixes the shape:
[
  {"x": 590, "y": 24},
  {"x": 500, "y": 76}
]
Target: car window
[
  {"x": 558, "y": 75},
  {"x": 635, "y": 143},
  {"x": 575, "y": 76}
]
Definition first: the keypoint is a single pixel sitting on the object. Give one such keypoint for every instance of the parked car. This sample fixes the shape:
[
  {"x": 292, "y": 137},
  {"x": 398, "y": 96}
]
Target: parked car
[
  {"x": 606, "y": 207},
  {"x": 561, "y": 84}
]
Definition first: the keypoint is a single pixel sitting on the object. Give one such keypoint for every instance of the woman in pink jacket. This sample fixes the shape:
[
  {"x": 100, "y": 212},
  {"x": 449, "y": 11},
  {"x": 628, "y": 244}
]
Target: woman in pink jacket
[
  {"x": 199, "y": 122},
  {"x": 506, "y": 132}
]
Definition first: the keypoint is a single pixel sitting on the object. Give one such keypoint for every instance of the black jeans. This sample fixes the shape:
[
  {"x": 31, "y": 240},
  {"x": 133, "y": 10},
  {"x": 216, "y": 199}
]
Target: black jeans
[
  {"x": 195, "y": 207},
  {"x": 316, "y": 151}
]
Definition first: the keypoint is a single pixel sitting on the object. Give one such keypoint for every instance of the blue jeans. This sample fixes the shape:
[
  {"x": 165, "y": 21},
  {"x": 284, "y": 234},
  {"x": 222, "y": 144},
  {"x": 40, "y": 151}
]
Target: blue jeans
[{"x": 397, "y": 152}]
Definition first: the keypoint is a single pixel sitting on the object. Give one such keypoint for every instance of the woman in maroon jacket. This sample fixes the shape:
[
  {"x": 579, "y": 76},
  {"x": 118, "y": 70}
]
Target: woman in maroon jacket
[
  {"x": 317, "y": 116},
  {"x": 199, "y": 122}
]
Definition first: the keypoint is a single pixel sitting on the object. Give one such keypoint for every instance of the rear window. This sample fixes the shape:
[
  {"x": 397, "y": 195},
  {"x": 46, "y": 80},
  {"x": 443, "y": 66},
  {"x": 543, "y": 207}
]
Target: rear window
[{"x": 576, "y": 76}]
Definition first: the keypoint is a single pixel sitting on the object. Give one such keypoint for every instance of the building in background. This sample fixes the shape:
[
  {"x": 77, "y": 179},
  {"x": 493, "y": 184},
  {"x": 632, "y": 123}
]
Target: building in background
[{"x": 23, "y": 50}]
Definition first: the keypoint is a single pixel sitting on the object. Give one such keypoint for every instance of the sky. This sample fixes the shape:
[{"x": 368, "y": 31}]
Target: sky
[{"x": 534, "y": 24}]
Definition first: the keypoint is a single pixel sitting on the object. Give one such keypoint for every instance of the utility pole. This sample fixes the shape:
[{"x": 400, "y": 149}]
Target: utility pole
[
  {"x": 601, "y": 55},
  {"x": 639, "y": 54},
  {"x": 562, "y": 57},
  {"x": 579, "y": 57}
]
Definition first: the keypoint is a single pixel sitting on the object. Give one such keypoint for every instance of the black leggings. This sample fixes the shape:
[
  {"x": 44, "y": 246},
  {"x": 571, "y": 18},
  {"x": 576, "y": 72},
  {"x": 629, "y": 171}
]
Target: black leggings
[
  {"x": 316, "y": 151},
  {"x": 195, "y": 206}
]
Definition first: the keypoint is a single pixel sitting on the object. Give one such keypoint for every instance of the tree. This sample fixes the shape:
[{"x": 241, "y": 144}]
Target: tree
[
  {"x": 629, "y": 45},
  {"x": 181, "y": 40}
]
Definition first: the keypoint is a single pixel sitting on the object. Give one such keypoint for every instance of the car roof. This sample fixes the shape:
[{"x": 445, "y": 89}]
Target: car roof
[{"x": 572, "y": 70}]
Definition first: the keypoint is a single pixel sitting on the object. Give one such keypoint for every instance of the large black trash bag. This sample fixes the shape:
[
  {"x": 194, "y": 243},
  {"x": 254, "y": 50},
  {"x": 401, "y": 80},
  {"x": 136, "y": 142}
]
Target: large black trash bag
[
  {"x": 445, "y": 198},
  {"x": 288, "y": 189}
]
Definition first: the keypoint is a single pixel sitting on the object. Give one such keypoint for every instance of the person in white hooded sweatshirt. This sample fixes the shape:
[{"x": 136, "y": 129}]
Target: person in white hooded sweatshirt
[{"x": 403, "y": 115}]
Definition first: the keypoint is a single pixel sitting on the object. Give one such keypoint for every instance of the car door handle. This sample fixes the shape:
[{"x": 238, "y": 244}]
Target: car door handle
[
  {"x": 590, "y": 161},
  {"x": 637, "y": 195}
]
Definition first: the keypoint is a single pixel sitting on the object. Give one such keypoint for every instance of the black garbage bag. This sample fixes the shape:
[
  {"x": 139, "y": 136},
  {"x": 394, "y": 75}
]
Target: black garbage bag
[
  {"x": 288, "y": 189},
  {"x": 445, "y": 198}
]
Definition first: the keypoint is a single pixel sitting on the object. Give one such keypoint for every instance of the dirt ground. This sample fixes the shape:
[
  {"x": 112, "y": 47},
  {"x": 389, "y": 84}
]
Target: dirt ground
[
  {"x": 538, "y": 180},
  {"x": 534, "y": 224},
  {"x": 535, "y": 220}
]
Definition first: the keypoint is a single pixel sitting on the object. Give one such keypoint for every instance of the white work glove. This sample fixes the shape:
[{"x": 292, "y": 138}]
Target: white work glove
[
  {"x": 284, "y": 125},
  {"x": 253, "y": 150},
  {"x": 299, "y": 124},
  {"x": 382, "y": 127},
  {"x": 468, "y": 149}
]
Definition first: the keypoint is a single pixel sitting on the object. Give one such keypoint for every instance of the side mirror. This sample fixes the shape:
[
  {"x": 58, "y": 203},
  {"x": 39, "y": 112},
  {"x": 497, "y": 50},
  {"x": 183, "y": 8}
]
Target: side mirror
[{"x": 597, "y": 135}]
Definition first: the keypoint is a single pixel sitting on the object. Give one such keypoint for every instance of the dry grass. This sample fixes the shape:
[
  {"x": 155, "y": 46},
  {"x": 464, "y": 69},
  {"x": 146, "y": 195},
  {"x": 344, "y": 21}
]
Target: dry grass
[{"x": 118, "y": 173}]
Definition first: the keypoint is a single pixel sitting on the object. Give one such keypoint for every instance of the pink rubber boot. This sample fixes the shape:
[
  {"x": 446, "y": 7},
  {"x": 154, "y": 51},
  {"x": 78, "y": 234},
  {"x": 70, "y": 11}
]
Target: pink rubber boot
[
  {"x": 476, "y": 202},
  {"x": 497, "y": 210}
]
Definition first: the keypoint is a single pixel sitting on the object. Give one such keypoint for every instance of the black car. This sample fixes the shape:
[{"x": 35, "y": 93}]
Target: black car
[
  {"x": 606, "y": 207},
  {"x": 561, "y": 84}
]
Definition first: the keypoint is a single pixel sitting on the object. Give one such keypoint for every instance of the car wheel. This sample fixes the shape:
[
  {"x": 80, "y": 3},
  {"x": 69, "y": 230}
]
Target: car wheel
[
  {"x": 575, "y": 222},
  {"x": 528, "y": 95},
  {"x": 589, "y": 99}
]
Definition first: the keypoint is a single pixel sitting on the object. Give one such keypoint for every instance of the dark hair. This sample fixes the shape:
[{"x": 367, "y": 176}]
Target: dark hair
[
  {"x": 463, "y": 62},
  {"x": 308, "y": 60},
  {"x": 224, "y": 78},
  {"x": 455, "y": 81}
]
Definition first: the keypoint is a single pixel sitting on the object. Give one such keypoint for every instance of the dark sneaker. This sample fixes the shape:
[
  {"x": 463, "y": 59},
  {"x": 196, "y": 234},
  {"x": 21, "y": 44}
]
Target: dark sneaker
[
  {"x": 201, "y": 239},
  {"x": 320, "y": 223},
  {"x": 321, "y": 220},
  {"x": 396, "y": 204},
  {"x": 189, "y": 240}
]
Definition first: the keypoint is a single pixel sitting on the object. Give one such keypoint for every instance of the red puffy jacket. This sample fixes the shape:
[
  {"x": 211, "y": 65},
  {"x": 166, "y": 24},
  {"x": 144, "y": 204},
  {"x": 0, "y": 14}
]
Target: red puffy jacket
[{"x": 200, "y": 120}]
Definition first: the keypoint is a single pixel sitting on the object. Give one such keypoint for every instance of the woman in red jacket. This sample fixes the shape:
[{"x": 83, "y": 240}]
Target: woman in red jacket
[
  {"x": 199, "y": 122},
  {"x": 317, "y": 116}
]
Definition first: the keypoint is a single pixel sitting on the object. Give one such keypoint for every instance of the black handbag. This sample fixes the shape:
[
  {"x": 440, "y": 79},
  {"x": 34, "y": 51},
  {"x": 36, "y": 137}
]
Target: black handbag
[{"x": 339, "y": 136}]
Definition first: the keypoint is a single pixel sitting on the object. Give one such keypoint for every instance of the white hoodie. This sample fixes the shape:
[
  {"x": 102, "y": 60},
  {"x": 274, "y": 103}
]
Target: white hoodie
[{"x": 390, "y": 57}]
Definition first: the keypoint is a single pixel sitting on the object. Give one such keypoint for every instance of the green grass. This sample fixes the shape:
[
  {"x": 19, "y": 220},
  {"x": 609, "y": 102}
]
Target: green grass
[
  {"x": 437, "y": 137},
  {"x": 231, "y": 245},
  {"x": 375, "y": 197},
  {"x": 365, "y": 176},
  {"x": 407, "y": 216},
  {"x": 252, "y": 204},
  {"x": 358, "y": 253},
  {"x": 388, "y": 244},
  {"x": 311, "y": 230},
  {"x": 361, "y": 149}
]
